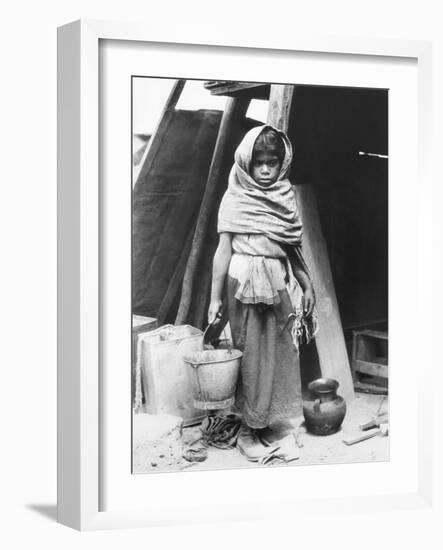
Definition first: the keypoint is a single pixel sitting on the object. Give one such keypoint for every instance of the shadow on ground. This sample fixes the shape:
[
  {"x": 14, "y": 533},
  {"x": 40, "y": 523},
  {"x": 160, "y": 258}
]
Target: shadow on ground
[{"x": 48, "y": 511}]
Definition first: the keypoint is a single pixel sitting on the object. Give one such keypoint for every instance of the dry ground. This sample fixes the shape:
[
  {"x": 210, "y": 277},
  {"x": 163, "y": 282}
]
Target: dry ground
[{"x": 158, "y": 456}]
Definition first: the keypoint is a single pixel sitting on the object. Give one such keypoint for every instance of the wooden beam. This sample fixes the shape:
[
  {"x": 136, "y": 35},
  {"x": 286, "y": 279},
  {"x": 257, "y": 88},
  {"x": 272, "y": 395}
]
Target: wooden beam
[
  {"x": 175, "y": 282},
  {"x": 201, "y": 299},
  {"x": 156, "y": 139},
  {"x": 363, "y": 436},
  {"x": 280, "y": 103},
  {"x": 330, "y": 342},
  {"x": 331, "y": 347},
  {"x": 365, "y": 387},
  {"x": 374, "y": 369},
  {"x": 235, "y": 107},
  {"x": 231, "y": 88}
]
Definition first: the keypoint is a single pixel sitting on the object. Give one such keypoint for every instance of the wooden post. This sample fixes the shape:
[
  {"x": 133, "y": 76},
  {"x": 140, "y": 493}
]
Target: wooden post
[
  {"x": 200, "y": 301},
  {"x": 330, "y": 342},
  {"x": 174, "y": 283},
  {"x": 154, "y": 145},
  {"x": 280, "y": 102},
  {"x": 331, "y": 348},
  {"x": 235, "y": 107}
]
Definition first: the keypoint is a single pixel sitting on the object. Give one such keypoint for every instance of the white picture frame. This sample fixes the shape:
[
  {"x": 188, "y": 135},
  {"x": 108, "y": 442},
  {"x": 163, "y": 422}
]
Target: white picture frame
[{"x": 80, "y": 392}]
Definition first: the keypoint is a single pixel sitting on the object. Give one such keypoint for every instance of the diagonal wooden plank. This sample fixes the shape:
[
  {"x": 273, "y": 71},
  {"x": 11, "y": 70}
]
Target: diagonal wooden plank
[
  {"x": 236, "y": 107},
  {"x": 157, "y": 136},
  {"x": 330, "y": 343}
]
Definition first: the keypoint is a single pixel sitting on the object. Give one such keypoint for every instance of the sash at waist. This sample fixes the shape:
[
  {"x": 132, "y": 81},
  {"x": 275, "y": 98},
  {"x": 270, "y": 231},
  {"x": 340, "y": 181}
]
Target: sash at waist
[{"x": 260, "y": 278}]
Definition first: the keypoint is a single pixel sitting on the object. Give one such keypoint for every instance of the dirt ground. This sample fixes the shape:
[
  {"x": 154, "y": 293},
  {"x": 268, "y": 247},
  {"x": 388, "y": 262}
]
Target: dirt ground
[{"x": 163, "y": 456}]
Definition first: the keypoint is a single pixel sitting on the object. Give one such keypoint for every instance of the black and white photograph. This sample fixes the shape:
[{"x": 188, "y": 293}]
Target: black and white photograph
[
  {"x": 259, "y": 275},
  {"x": 228, "y": 249}
]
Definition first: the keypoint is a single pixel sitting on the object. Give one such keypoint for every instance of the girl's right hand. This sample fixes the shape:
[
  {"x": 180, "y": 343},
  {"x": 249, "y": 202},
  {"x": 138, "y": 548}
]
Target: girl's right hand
[{"x": 214, "y": 312}]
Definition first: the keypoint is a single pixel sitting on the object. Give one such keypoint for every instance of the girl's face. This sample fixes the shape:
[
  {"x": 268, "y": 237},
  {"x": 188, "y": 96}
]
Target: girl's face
[{"x": 265, "y": 168}]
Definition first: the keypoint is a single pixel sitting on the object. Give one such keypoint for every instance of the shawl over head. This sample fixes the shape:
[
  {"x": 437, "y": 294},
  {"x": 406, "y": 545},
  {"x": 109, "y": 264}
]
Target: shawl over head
[{"x": 248, "y": 207}]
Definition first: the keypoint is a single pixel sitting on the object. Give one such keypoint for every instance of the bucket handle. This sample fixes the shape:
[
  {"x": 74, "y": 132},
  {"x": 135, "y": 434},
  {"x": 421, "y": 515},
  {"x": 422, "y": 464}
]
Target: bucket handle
[{"x": 224, "y": 333}]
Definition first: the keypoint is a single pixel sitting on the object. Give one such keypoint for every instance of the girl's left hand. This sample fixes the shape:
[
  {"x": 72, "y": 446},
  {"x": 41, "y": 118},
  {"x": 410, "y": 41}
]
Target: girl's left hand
[
  {"x": 214, "y": 313},
  {"x": 308, "y": 301}
]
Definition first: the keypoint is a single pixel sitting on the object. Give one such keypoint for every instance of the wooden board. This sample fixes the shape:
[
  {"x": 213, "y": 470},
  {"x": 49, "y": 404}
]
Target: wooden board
[
  {"x": 370, "y": 352},
  {"x": 365, "y": 387},
  {"x": 236, "y": 108},
  {"x": 156, "y": 139},
  {"x": 330, "y": 342},
  {"x": 382, "y": 334},
  {"x": 374, "y": 369},
  {"x": 280, "y": 103},
  {"x": 230, "y": 88},
  {"x": 362, "y": 436}
]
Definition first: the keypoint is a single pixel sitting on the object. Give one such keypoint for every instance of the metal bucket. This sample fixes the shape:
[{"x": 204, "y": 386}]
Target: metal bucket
[{"x": 214, "y": 374}]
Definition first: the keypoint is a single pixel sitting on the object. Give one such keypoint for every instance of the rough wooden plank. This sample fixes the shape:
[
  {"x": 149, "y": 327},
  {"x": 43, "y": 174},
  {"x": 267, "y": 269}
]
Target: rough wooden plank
[
  {"x": 330, "y": 342},
  {"x": 374, "y": 422},
  {"x": 198, "y": 313},
  {"x": 365, "y": 387},
  {"x": 230, "y": 88},
  {"x": 374, "y": 369},
  {"x": 280, "y": 102},
  {"x": 175, "y": 282},
  {"x": 383, "y": 335},
  {"x": 362, "y": 437},
  {"x": 156, "y": 139},
  {"x": 236, "y": 107},
  {"x": 331, "y": 347}
]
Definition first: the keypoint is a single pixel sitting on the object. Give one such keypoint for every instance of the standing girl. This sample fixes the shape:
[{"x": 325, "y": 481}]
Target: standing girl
[{"x": 269, "y": 293}]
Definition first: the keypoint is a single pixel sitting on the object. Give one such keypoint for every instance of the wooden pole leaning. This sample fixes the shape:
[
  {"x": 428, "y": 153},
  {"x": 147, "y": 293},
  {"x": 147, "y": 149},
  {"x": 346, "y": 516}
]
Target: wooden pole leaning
[
  {"x": 330, "y": 343},
  {"x": 236, "y": 107},
  {"x": 174, "y": 283},
  {"x": 280, "y": 103},
  {"x": 153, "y": 148}
]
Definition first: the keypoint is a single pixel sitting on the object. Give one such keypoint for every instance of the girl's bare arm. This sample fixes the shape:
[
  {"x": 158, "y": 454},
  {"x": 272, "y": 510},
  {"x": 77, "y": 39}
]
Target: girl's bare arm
[
  {"x": 220, "y": 267},
  {"x": 304, "y": 281}
]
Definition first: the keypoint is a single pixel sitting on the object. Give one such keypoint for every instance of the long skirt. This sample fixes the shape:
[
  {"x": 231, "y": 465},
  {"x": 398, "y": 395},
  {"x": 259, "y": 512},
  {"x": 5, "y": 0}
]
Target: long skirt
[{"x": 269, "y": 387}]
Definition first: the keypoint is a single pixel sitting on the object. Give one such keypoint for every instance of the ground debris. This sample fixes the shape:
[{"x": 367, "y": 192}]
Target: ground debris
[{"x": 196, "y": 455}]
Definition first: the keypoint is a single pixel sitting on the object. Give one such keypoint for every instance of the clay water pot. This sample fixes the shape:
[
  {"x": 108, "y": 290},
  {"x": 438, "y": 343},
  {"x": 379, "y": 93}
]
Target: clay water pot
[{"x": 325, "y": 412}]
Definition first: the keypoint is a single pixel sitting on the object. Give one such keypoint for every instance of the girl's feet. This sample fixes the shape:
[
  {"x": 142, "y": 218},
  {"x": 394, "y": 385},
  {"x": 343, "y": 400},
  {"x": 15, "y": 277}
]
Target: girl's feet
[{"x": 249, "y": 443}]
